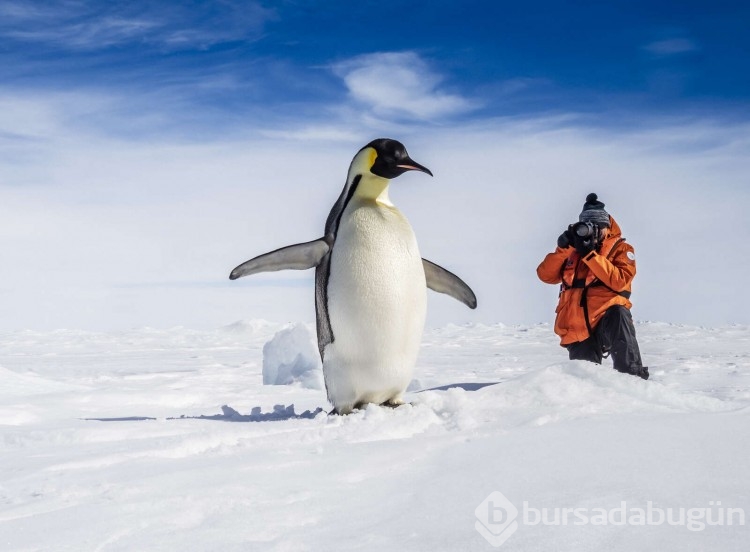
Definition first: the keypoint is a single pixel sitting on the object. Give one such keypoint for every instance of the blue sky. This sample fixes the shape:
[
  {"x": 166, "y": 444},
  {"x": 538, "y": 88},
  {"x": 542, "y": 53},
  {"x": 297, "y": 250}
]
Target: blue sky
[
  {"x": 146, "y": 148},
  {"x": 244, "y": 63}
]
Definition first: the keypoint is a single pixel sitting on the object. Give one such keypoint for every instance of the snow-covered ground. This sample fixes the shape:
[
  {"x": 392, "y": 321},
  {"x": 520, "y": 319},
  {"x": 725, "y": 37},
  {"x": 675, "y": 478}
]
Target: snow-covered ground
[{"x": 168, "y": 440}]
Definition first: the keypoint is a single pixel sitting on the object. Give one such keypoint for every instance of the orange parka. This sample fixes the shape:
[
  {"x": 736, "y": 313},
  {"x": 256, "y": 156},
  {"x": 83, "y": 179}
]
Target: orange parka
[{"x": 589, "y": 284}]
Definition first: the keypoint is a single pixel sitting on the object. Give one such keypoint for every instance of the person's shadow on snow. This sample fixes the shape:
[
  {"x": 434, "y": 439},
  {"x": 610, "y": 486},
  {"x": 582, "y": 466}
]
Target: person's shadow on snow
[{"x": 474, "y": 386}]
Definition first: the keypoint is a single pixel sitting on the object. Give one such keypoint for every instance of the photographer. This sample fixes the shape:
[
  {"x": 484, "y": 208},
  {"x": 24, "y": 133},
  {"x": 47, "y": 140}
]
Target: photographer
[{"x": 595, "y": 267}]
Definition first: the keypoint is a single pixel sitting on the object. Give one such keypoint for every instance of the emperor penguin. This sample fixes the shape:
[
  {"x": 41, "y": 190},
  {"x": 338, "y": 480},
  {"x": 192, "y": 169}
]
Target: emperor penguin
[{"x": 370, "y": 283}]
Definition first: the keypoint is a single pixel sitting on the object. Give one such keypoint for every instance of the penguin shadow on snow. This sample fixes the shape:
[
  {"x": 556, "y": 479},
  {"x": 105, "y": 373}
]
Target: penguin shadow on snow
[
  {"x": 280, "y": 412},
  {"x": 229, "y": 414}
]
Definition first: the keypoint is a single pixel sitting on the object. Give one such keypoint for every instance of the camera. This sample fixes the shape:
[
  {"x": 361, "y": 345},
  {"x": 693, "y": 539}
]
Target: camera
[
  {"x": 585, "y": 229},
  {"x": 585, "y": 236}
]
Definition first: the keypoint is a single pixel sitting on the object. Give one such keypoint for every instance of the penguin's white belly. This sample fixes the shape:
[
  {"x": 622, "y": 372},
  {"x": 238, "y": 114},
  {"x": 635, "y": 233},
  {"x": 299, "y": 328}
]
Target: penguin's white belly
[{"x": 376, "y": 305}]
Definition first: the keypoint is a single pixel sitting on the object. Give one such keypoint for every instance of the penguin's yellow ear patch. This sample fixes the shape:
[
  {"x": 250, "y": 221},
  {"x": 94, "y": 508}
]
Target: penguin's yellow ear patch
[{"x": 373, "y": 156}]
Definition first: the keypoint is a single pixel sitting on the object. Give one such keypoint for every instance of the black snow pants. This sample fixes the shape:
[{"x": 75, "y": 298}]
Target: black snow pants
[{"x": 615, "y": 334}]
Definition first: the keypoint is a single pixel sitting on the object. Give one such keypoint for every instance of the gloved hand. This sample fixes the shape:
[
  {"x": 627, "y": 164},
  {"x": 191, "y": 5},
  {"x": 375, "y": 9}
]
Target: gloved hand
[{"x": 566, "y": 238}]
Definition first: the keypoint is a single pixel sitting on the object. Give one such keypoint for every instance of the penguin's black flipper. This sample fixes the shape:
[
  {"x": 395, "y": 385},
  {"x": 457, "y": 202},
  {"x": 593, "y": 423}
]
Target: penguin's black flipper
[
  {"x": 443, "y": 281},
  {"x": 300, "y": 256}
]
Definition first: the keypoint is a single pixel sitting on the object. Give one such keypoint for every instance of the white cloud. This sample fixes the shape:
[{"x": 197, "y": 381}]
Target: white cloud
[
  {"x": 400, "y": 84},
  {"x": 671, "y": 47},
  {"x": 315, "y": 133},
  {"x": 89, "y": 25}
]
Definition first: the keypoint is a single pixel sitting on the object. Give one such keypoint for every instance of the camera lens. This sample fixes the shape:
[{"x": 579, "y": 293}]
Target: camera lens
[{"x": 584, "y": 229}]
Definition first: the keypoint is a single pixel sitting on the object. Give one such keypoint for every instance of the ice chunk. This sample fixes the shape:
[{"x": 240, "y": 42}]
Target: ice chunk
[{"x": 292, "y": 356}]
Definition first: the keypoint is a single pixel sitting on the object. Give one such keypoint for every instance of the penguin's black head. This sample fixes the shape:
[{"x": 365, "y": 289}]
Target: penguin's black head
[{"x": 392, "y": 159}]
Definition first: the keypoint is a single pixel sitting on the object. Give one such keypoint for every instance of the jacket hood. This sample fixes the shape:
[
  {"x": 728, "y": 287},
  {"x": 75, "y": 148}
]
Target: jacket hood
[{"x": 614, "y": 229}]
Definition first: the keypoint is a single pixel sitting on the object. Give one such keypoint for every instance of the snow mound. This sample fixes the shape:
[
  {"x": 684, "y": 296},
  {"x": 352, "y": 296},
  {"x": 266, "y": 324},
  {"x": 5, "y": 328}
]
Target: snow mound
[
  {"x": 583, "y": 388},
  {"x": 16, "y": 384},
  {"x": 378, "y": 423},
  {"x": 249, "y": 328},
  {"x": 562, "y": 392},
  {"x": 292, "y": 356}
]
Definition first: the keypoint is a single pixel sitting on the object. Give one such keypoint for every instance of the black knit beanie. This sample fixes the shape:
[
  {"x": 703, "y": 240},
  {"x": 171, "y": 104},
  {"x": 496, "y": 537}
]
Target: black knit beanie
[{"x": 593, "y": 212}]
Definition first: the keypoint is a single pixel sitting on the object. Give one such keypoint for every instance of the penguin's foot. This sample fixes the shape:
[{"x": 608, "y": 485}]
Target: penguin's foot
[
  {"x": 393, "y": 403},
  {"x": 341, "y": 412},
  {"x": 344, "y": 410}
]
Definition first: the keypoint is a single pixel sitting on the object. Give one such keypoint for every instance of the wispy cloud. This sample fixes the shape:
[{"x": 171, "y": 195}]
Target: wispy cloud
[
  {"x": 400, "y": 84},
  {"x": 315, "y": 133},
  {"x": 671, "y": 47},
  {"x": 90, "y": 25}
]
